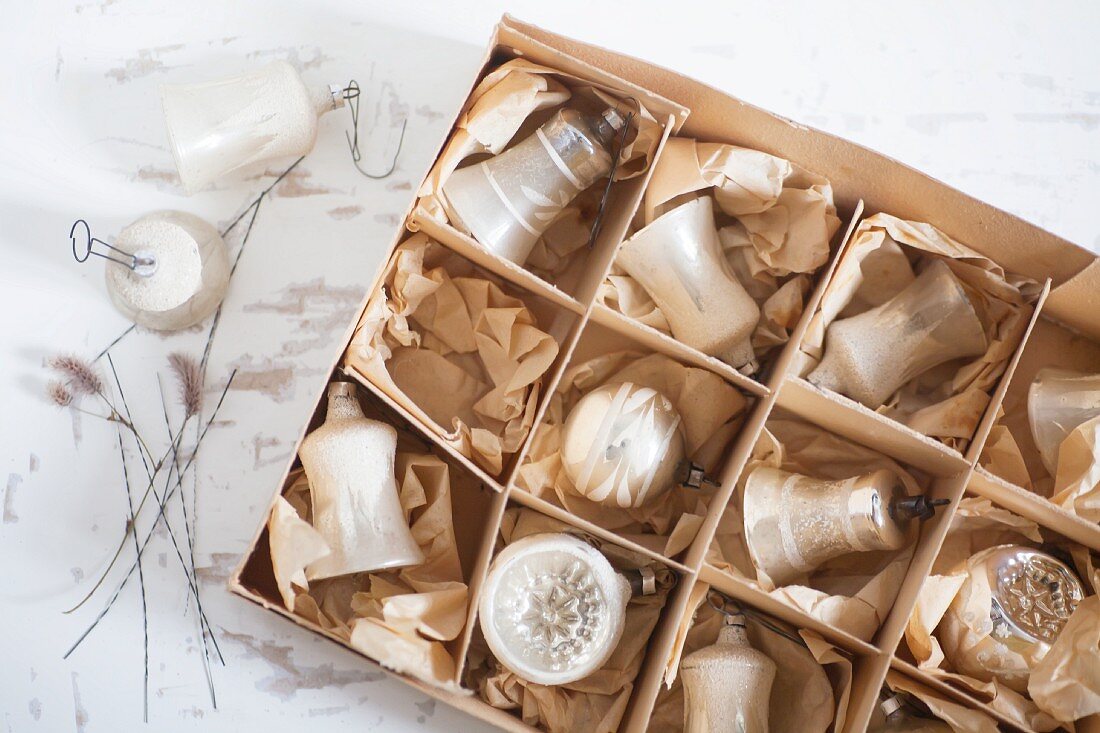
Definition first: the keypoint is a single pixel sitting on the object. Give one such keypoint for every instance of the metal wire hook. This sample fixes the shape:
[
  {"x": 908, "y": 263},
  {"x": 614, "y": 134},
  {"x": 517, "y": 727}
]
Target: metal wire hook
[
  {"x": 729, "y": 607},
  {"x": 132, "y": 261},
  {"x": 598, "y": 222},
  {"x": 351, "y": 94}
]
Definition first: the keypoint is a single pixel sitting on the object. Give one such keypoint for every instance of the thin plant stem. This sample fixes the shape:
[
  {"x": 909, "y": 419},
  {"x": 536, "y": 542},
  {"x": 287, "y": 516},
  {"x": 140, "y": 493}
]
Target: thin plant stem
[{"x": 141, "y": 579}]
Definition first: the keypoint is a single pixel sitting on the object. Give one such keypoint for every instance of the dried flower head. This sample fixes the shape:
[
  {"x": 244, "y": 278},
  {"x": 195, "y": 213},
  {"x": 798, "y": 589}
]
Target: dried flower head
[
  {"x": 59, "y": 394},
  {"x": 81, "y": 377},
  {"x": 189, "y": 376}
]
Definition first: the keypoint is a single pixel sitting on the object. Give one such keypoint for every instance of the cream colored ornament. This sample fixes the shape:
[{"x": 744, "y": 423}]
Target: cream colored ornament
[
  {"x": 349, "y": 462},
  {"x": 679, "y": 262},
  {"x": 509, "y": 200},
  {"x": 1011, "y": 607},
  {"x": 870, "y": 356},
  {"x": 900, "y": 720},
  {"x": 623, "y": 445},
  {"x": 552, "y": 608},
  {"x": 1058, "y": 402},
  {"x": 727, "y": 685},
  {"x": 794, "y": 523}
]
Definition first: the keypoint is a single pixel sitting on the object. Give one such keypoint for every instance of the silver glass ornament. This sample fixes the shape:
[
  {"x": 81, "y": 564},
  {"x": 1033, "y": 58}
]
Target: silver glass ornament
[
  {"x": 794, "y": 523},
  {"x": 623, "y": 445},
  {"x": 552, "y": 608},
  {"x": 899, "y": 719},
  {"x": 727, "y": 685},
  {"x": 870, "y": 356},
  {"x": 509, "y": 200},
  {"x": 349, "y": 462},
  {"x": 1058, "y": 402},
  {"x": 1031, "y": 597}
]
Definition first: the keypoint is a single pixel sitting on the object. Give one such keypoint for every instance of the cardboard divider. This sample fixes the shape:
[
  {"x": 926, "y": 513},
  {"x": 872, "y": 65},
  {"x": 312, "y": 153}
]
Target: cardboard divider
[
  {"x": 867, "y": 681},
  {"x": 1032, "y": 506}
]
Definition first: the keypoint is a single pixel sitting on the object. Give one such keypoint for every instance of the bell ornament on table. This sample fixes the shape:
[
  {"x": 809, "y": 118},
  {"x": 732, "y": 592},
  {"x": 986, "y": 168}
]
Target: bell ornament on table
[
  {"x": 176, "y": 270},
  {"x": 679, "y": 262},
  {"x": 553, "y": 608},
  {"x": 794, "y": 523},
  {"x": 218, "y": 127},
  {"x": 1058, "y": 402},
  {"x": 623, "y": 446},
  {"x": 899, "y": 719},
  {"x": 1025, "y": 597},
  {"x": 870, "y": 356},
  {"x": 349, "y": 462},
  {"x": 727, "y": 685},
  {"x": 509, "y": 200}
]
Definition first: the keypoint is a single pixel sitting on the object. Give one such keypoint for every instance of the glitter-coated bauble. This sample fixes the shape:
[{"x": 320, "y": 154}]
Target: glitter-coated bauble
[
  {"x": 1058, "y": 402},
  {"x": 349, "y": 462},
  {"x": 622, "y": 445},
  {"x": 794, "y": 523},
  {"x": 870, "y": 356},
  {"x": 183, "y": 275},
  {"x": 727, "y": 685},
  {"x": 1023, "y": 599},
  {"x": 552, "y": 608}
]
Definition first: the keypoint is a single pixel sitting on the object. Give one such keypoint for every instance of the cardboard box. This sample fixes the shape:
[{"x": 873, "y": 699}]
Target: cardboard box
[{"x": 1065, "y": 328}]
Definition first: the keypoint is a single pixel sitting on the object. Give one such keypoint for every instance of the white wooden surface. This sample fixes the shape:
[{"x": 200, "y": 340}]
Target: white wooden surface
[{"x": 1001, "y": 99}]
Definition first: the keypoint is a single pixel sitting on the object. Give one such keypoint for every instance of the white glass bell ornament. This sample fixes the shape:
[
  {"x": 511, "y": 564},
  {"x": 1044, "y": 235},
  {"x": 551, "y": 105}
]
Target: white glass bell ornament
[
  {"x": 349, "y": 462},
  {"x": 1058, "y": 402},
  {"x": 552, "y": 608},
  {"x": 899, "y": 719},
  {"x": 219, "y": 127},
  {"x": 509, "y": 200},
  {"x": 870, "y": 356},
  {"x": 166, "y": 271},
  {"x": 794, "y": 523},
  {"x": 679, "y": 262},
  {"x": 1024, "y": 599},
  {"x": 727, "y": 685}
]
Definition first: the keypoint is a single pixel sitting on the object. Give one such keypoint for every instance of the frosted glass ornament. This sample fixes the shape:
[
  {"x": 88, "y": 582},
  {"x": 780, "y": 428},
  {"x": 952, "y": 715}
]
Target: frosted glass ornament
[
  {"x": 1058, "y": 402},
  {"x": 349, "y": 462},
  {"x": 623, "y": 445},
  {"x": 679, "y": 262},
  {"x": 218, "y": 127},
  {"x": 181, "y": 275},
  {"x": 1024, "y": 597},
  {"x": 794, "y": 523},
  {"x": 900, "y": 720},
  {"x": 509, "y": 200},
  {"x": 870, "y": 356},
  {"x": 552, "y": 608},
  {"x": 727, "y": 685}
]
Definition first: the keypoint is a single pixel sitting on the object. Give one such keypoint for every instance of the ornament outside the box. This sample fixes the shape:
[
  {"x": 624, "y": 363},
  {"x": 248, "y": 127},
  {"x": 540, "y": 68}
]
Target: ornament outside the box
[
  {"x": 899, "y": 719},
  {"x": 679, "y": 262},
  {"x": 727, "y": 685},
  {"x": 1011, "y": 607},
  {"x": 794, "y": 523},
  {"x": 166, "y": 271},
  {"x": 1058, "y": 402},
  {"x": 349, "y": 462},
  {"x": 870, "y": 356},
  {"x": 623, "y": 446},
  {"x": 509, "y": 200},
  {"x": 219, "y": 127},
  {"x": 553, "y": 608}
]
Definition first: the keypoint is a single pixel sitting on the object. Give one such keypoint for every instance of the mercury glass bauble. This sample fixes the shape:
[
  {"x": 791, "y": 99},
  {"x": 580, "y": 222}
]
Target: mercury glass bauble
[
  {"x": 1058, "y": 402},
  {"x": 899, "y": 719}
]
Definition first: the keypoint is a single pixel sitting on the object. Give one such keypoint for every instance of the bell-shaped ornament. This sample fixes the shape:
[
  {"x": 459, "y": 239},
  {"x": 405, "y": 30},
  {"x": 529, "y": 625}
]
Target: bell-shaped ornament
[
  {"x": 219, "y": 127},
  {"x": 1058, "y": 402},
  {"x": 870, "y": 356},
  {"x": 349, "y": 462},
  {"x": 679, "y": 262},
  {"x": 1012, "y": 605},
  {"x": 172, "y": 273},
  {"x": 623, "y": 445},
  {"x": 794, "y": 523},
  {"x": 727, "y": 685},
  {"x": 509, "y": 200},
  {"x": 552, "y": 608},
  {"x": 900, "y": 719}
]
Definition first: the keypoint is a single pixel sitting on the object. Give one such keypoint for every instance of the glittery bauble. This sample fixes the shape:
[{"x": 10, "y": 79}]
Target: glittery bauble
[
  {"x": 727, "y": 685},
  {"x": 622, "y": 445},
  {"x": 552, "y": 608},
  {"x": 1031, "y": 596}
]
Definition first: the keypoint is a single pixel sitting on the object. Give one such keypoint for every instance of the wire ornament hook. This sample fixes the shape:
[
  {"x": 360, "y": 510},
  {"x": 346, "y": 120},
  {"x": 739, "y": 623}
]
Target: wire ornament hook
[
  {"x": 132, "y": 261},
  {"x": 728, "y": 607},
  {"x": 351, "y": 94},
  {"x": 598, "y": 222}
]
